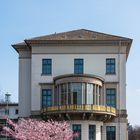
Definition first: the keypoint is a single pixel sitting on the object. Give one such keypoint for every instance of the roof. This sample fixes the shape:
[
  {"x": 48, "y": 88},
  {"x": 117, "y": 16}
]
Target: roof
[
  {"x": 21, "y": 44},
  {"x": 9, "y": 104},
  {"x": 81, "y": 34},
  {"x": 77, "y": 37}
]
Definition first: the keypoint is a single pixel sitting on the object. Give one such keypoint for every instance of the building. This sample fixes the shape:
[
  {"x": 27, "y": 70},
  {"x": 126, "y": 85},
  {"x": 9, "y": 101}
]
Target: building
[
  {"x": 9, "y": 110},
  {"x": 78, "y": 76}
]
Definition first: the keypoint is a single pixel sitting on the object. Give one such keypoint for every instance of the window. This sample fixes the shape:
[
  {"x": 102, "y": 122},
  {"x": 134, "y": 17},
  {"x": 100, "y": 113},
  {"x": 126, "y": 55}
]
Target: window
[
  {"x": 77, "y": 129},
  {"x": 111, "y": 133},
  {"x": 110, "y": 66},
  {"x": 92, "y": 133},
  {"x": 111, "y": 97},
  {"x": 76, "y": 89},
  {"x": 46, "y": 97},
  {"x": 6, "y": 111},
  {"x": 78, "y": 66},
  {"x": 16, "y": 111},
  {"x": 74, "y": 98},
  {"x": 47, "y": 66},
  {"x": 63, "y": 94}
]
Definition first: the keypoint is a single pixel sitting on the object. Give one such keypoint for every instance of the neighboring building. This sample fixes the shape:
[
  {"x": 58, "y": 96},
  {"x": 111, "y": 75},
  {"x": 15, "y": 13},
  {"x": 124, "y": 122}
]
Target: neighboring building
[
  {"x": 9, "y": 110},
  {"x": 78, "y": 76}
]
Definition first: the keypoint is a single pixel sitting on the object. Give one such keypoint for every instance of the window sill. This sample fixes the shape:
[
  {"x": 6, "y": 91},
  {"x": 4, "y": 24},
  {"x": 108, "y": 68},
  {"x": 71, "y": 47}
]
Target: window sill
[
  {"x": 43, "y": 74},
  {"x": 78, "y": 73},
  {"x": 110, "y": 73}
]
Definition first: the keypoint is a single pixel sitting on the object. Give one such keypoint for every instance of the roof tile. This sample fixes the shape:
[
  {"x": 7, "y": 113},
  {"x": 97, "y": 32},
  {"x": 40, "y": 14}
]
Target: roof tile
[{"x": 81, "y": 34}]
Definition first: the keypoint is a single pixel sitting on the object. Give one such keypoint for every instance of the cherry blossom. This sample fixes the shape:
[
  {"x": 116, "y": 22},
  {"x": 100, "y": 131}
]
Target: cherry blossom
[{"x": 32, "y": 129}]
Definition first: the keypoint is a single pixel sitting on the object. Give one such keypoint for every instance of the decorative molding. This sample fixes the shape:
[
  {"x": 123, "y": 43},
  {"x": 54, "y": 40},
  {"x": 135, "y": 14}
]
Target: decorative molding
[{"x": 82, "y": 76}]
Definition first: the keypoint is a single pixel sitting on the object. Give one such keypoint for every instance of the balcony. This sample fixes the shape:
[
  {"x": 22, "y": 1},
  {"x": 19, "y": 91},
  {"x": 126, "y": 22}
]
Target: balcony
[
  {"x": 85, "y": 111},
  {"x": 78, "y": 97}
]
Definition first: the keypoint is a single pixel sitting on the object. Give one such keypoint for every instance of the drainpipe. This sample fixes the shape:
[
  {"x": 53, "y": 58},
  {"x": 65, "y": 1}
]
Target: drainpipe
[{"x": 119, "y": 87}]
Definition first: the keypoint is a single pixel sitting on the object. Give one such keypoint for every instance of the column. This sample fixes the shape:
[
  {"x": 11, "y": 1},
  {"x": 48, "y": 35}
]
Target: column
[
  {"x": 98, "y": 131},
  {"x": 53, "y": 94},
  {"x": 57, "y": 88},
  {"x": 53, "y": 91},
  {"x": 101, "y": 96},
  {"x": 59, "y": 103},
  {"x": 67, "y": 93},
  {"x": 97, "y": 94},
  {"x": 104, "y": 132},
  {"x": 85, "y": 93},
  {"x": 71, "y": 88},
  {"x": 104, "y": 95},
  {"x": 94, "y": 94}
]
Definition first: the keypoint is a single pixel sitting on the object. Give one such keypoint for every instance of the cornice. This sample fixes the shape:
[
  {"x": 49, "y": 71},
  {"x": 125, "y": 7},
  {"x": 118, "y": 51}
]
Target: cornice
[{"x": 78, "y": 42}]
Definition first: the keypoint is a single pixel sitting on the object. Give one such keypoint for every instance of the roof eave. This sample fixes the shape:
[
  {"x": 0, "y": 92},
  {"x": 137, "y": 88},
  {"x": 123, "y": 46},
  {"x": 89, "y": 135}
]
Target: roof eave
[
  {"x": 128, "y": 47},
  {"x": 19, "y": 47},
  {"x": 31, "y": 42}
]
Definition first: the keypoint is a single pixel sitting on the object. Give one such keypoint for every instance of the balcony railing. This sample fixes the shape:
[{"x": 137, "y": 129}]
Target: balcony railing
[{"x": 81, "y": 108}]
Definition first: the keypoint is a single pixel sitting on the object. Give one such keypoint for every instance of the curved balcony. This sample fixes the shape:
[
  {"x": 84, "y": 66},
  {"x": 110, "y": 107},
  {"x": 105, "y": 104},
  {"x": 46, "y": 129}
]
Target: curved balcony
[
  {"x": 99, "y": 111},
  {"x": 79, "y": 97},
  {"x": 78, "y": 89}
]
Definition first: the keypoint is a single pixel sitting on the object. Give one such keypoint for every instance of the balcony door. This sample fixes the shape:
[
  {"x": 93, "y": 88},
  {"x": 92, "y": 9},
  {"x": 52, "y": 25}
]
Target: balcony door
[{"x": 77, "y": 93}]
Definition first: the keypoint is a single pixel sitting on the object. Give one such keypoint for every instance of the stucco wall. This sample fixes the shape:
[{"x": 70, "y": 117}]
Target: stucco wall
[
  {"x": 30, "y": 75},
  {"x": 24, "y": 84},
  {"x": 101, "y": 129},
  {"x": 85, "y": 128},
  {"x": 64, "y": 64}
]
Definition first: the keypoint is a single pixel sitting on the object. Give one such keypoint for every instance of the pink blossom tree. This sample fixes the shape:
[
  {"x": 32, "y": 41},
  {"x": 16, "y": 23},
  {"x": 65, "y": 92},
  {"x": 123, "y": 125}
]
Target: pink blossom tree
[{"x": 31, "y": 129}]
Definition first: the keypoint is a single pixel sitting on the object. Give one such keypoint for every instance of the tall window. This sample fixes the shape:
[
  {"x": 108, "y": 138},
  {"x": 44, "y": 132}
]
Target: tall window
[
  {"x": 77, "y": 93},
  {"x": 47, "y": 66},
  {"x": 46, "y": 97},
  {"x": 77, "y": 129},
  {"x": 78, "y": 66},
  {"x": 111, "y": 97},
  {"x": 111, "y": 133},
  {"x": 63, "y": 94},
  {"x": 110, "y": 66},
  {"x": 92, "y": 133}
]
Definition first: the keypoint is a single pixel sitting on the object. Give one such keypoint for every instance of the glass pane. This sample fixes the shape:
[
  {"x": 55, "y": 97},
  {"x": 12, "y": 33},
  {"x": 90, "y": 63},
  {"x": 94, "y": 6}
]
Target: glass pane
[
  {"x": 111, "y": 132},
  {"x": 110, "y": 66},
  {"x": 46, "y": 97},
  {"x": 77, "y": 93},
  {"x": 111, "y": 97},
  {"x": 77, "y": 128},
  {"x": 78, "y": 66},
  {"x": 92, "y": 133},
  {"x": 46, "y": 66},
  {"x": 107, "y": 61},
  {"x": 112, "y": 61}
]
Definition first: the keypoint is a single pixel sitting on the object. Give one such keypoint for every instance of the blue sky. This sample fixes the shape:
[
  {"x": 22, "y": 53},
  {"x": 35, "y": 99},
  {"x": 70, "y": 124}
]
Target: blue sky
[{"x": 21, "y": 19}]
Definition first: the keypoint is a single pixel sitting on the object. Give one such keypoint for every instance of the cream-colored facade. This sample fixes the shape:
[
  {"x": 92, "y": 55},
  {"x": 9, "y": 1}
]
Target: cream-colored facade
[{"x": 63, "y": 48}]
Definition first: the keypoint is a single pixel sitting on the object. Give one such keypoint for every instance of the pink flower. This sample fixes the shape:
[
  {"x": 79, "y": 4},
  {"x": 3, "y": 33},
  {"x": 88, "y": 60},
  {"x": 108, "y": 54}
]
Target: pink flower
[{"x": 31, "y": 129}]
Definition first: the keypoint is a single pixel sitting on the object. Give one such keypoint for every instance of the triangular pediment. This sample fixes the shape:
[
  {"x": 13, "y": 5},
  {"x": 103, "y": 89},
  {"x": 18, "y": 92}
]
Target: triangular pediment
[{"x": 81, "y": 34}]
